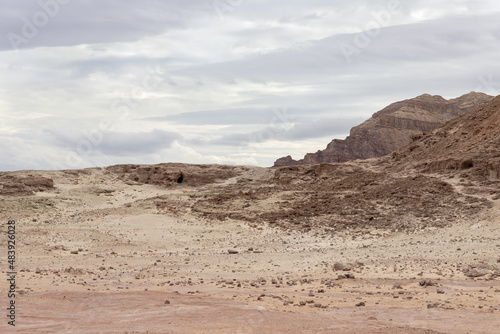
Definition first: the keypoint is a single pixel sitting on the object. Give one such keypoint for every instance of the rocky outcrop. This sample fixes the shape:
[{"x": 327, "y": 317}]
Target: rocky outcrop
[
  {"x": 170, "y": 174},
  {"x": 13, "y": 185},
  {"x": 468, "y": 145},
  {"x": 392, "y": 128},
  {"x": 286, "y": 161}
]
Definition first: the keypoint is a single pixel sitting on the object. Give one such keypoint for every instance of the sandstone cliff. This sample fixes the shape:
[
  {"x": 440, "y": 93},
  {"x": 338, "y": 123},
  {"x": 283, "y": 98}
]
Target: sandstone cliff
[{"x": 392, "y": 128}]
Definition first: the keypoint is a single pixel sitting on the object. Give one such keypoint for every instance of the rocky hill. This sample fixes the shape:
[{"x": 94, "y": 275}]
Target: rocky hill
[
  {"x": 468, "y": 145},
  {"x": 392, "y": 128}
]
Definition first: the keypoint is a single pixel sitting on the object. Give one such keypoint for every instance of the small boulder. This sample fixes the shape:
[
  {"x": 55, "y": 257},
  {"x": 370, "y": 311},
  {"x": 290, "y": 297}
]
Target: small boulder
[
  {"x": 338, "y": 266},
  {"x": 479, "y": 270},
  {"x": 473, "y": 273}
]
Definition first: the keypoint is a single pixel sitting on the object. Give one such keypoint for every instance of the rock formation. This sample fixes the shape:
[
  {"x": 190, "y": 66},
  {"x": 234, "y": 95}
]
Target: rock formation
[
  {"x": 392, "y": 128},
  {"x": 468, "y": 144},
  {"x": 170, "y": 174},
  {"x": 13, "y": 185}
]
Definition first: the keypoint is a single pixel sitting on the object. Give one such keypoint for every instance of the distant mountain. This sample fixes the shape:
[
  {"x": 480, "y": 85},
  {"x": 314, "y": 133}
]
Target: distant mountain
[{"x": 392, "y": 128}]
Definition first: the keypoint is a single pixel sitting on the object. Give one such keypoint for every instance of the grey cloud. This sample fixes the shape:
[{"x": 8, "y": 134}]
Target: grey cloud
[
  {"x": 94, "y": 21},
  {"x": 305, "y": 130},
  {"x": 407, "y": 60},
  {"x": 320, "y": 128},
  {"x": 113, "y": 65},
  {"x": 249, "y": 116},
  {"x": 433, "y": 40},
  {"x": 137, "y": 143},
  {"x": 114, "y": 143}
]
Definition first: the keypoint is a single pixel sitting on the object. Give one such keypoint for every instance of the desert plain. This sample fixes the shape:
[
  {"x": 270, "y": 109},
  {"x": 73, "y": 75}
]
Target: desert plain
[{"x": 176, "y": 248}]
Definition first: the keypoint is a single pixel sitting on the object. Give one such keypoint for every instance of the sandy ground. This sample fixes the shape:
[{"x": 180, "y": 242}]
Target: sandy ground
[{"x": 97, "y": 261}]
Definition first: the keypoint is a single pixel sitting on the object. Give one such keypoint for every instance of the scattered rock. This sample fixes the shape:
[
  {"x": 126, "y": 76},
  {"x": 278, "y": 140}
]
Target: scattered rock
[{"x": 346, "y": 276}]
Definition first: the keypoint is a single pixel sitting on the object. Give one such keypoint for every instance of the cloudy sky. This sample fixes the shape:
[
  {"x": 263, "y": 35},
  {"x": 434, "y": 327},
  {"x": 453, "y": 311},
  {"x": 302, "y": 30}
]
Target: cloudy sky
[{"x": 88, "y": 83}]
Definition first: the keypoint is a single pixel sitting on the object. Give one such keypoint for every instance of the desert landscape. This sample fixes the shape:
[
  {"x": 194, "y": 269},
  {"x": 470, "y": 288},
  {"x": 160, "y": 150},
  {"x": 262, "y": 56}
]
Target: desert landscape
[
  {"x": 405, "y": 243},
  {"x": 249, "y": 167}
]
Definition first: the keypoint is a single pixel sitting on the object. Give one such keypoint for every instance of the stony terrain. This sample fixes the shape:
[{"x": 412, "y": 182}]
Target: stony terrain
[
  {"x": 392, "y": 128},
  {"x": 402, "y": 244}
]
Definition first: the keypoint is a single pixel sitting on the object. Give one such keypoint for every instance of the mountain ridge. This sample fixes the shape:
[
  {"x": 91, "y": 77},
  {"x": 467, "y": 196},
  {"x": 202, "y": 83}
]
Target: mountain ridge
[
  {"x": 467, "y": 144},
  {"x": 392, "y": 128}
]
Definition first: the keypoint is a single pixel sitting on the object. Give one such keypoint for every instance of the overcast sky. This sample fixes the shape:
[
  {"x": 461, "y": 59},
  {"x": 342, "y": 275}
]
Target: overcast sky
[{"x": 88, "y": 83}]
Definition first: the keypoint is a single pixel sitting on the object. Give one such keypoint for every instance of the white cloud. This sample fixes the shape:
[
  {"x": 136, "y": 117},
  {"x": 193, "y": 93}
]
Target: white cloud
[{"x": 186, "y": 154}]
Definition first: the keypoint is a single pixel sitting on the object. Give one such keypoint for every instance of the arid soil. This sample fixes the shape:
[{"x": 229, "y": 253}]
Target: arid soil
[{"x": 342, "y": 248}]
